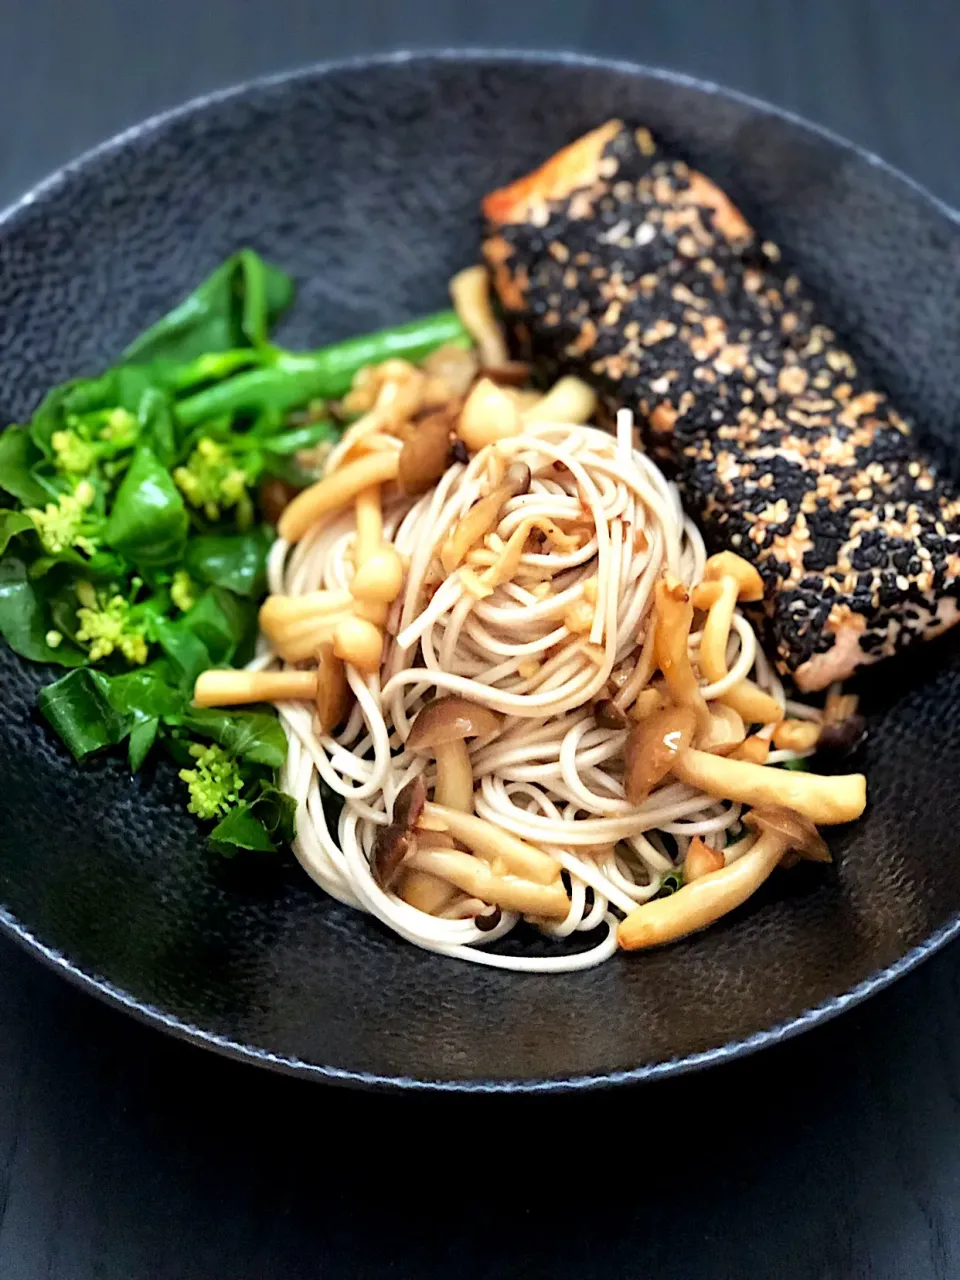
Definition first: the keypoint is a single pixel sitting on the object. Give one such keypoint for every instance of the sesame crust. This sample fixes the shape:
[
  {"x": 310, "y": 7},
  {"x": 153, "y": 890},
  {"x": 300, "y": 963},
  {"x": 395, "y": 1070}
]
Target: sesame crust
[{"x": 646, "y": 281}]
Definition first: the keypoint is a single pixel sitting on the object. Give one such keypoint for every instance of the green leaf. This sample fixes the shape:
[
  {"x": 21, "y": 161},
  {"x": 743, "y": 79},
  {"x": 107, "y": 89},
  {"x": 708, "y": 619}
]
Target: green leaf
[
  {"x": 277, "y": 811},
  {"x": 254, "y": 736},
  {"x": 237, "y": 562},
  {"x": 218, "y": 627},
  {"x": 103, "y": 566},
  {"x": 241, "y": 829},
  {"x": 91, "y": 710},
  {"x": 223, "y": 622},
  {"x": 148, "y": 522},
  {"x": 236, "y": 306},
  {"x": 25, "y": 618},
  {"x": 260, "y": 823},
  {"x": 185, "y": 650},
  {"x": 142, "y": 738},
  {"x": 147, "y": 693},
  {"x": 18, "y": 456},
  {"x": 79, "y": 710},
  {"x": 12, "y": 523},
  {"x": 157, "y": 426}
]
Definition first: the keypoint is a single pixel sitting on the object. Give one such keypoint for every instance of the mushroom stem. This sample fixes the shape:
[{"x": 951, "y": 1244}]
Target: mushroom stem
[
  {"x": 484, "y": 516},
  {"x": 750, "y": 702},
  {"x": 231, "y": 688},
  {"x": 369, "y": 525},
  {"x": 510, "y": 892},
  {"x": 568, "y": 400},
  {"x": 297, "y": 639},
  {"x": 425, "y": 892},
  {"x": 824, "y": 800},
  {"x": 703, "y": 901},
  {"x": 491, "y": 842},
  {"x": 470, "y": 291},
  {"x": 454, "y": 787},
  {"x": 335, "y": 491},
  {"x": 674, "y": 614},
  {"x": 716, "y": 630}
]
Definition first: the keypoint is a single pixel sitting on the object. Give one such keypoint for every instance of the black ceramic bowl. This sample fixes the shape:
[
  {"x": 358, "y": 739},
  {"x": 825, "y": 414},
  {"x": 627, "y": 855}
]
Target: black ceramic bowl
[{"x": 364, "y": 180}]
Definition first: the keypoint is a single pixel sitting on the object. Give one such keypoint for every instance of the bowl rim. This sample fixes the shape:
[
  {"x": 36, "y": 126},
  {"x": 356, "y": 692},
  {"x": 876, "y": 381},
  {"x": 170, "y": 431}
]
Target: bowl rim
[{"x": 150, "y": 1015}]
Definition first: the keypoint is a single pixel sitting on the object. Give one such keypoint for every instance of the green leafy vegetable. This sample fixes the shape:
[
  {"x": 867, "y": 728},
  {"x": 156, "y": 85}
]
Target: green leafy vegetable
[
  {"x": 214, "y": 481},
  {"x": 132, "y": 555},
  {"x": 142, "y": 738},
  {"x": 256, "y": 736},
  {"x": 12, "y": 523},
  {"x": 237, "y": 562},
  {"x": 18, "y": 457},
  {"x": 670, "y": 883},
  {"x": 25, "y": 620},
  {"x": 236, "y": 306},
  {"x": 214, "y": 782},
  {"x": 107, "y": 624},
  {"x": 79, "y": 709},
  {"x": 260, "y": 824},
  {"x": 69, "y": 522},
  {"x": 149, "y": 522}
]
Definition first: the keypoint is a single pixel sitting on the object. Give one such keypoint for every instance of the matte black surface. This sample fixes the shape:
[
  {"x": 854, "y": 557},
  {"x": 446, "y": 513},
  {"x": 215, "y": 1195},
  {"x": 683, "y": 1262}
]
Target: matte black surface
[
  {"x": 123, "y": 1154},
  {"x": 112, "y": 874}
]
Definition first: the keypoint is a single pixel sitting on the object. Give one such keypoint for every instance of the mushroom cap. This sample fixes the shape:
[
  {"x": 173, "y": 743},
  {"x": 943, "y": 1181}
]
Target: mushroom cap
[
  {"x": 652, "y": 749},
  {"x": 725, "y": 733},
  {"x": 609, "y": 715},
  {"x": 517, "y": 478},
  {"x": 729, "y": 564},
  {"x": 800, "y": 834},
  {"x": 393, "y": 845},
  {"x": 451, "y": 719},
  {"x": 408, "y": 805}
]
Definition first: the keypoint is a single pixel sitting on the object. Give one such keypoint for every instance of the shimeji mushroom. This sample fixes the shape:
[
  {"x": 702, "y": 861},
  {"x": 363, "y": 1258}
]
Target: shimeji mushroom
[
  {"x": 674, "y": 615},
  {"x": 826, "y": 800},
  {"x": 494, "y": 845},
  {"x": 232, "y": 688},
  {"x": 416, "y": 861},
  {"x": 708, "y": 897},
  {"x": 426, "y": 452},
  {"x": 475, "y": 877},
  {"x": 796, "y": 735},
  {"x": 489, "y": 414},
  {"x": 701, "y": 860},
  {"x": 727, "y": 579},
  {"x": 484, "y": 515},
  {"x": 470, "y": 291},
  {"x": 726, "y": 731},
  {"x": 335, "y": 491},
  {"x": 395, "y": 841},
  {"x": 652, "y": 748},
  {"x": 332, "y": 696},
  {"x": 441, "y": 729},
  {"x": 296, "y": 625},
  {"x": 568, "y": 400}
]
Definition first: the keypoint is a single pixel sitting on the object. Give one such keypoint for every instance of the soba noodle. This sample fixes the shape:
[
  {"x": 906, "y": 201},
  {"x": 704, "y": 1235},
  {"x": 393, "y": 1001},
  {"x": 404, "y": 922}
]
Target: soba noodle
[{"x": 569, "y": 623}]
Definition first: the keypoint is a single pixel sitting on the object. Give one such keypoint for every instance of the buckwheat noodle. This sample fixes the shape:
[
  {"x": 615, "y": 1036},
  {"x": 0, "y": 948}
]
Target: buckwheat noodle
[{"x": 552, "y": 775}]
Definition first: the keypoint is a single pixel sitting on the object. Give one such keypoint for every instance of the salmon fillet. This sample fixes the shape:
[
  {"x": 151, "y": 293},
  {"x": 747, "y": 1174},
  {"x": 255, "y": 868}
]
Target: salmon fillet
[{"x": 623, "y": 265}]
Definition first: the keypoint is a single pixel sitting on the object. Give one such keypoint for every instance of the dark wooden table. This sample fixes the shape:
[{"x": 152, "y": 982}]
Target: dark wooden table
[{"x": 124, "y": 1156}]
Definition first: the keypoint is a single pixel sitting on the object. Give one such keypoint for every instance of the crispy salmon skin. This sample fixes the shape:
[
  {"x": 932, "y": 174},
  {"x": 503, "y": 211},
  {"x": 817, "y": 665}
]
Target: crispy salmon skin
[{"x": 620, "y": 263}]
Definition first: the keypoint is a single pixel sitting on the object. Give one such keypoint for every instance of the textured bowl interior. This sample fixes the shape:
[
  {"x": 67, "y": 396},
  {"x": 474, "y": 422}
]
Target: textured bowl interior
[{"x": 364, "y": 182}]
